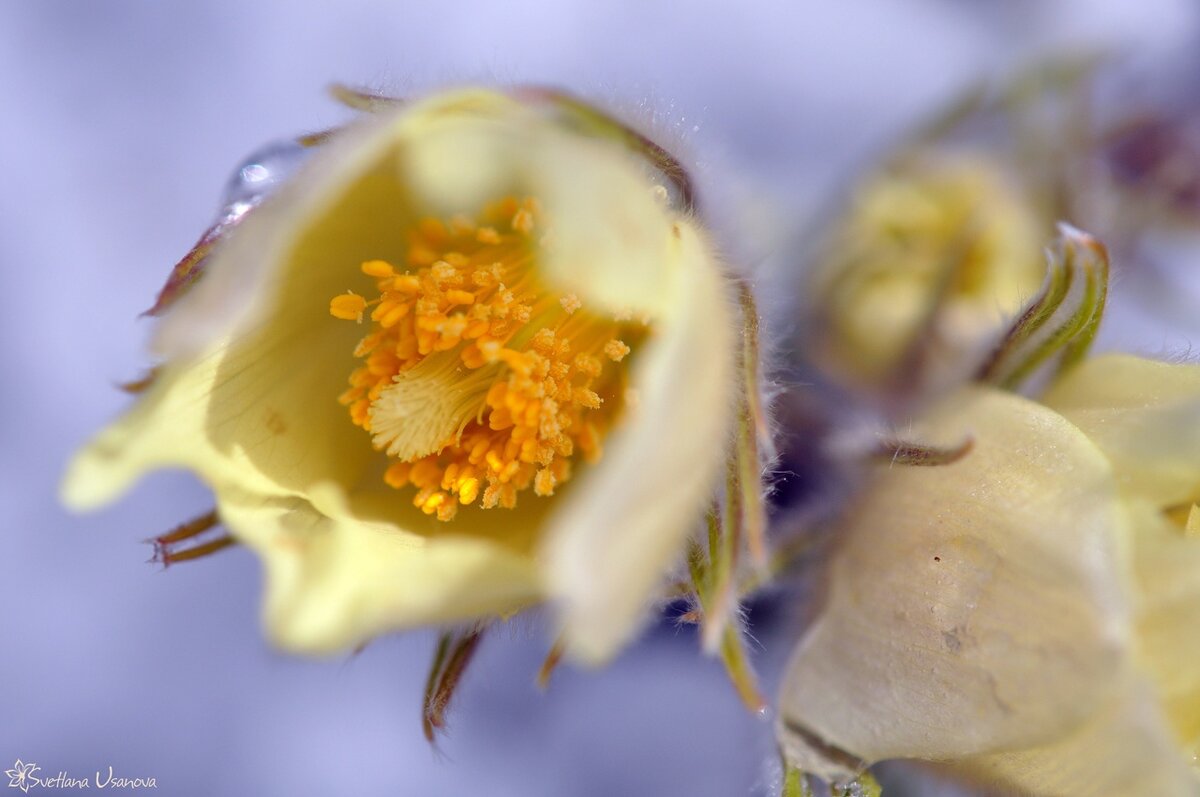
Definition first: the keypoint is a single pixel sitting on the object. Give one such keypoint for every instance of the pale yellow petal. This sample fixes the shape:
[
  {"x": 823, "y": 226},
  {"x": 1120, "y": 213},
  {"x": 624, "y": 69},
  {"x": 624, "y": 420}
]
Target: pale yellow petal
[
  {"x": 346, "y": 205},
  {"x": 1144, "y": 415},
  {"x": 1167, "y": 564},
  {"x": 972, "y": 607},
  {"x": 463, "y": 148},
  {"x": 607, "y": 235},
  {"x": 1125, "y": 749},
  {"x": 167, "y": 427},
  {"x": 260, "y": 415},
  {"x": 335, "y": 579},
  {"x": 627, "y": 520},
  {"x": 612, "y": 240}
]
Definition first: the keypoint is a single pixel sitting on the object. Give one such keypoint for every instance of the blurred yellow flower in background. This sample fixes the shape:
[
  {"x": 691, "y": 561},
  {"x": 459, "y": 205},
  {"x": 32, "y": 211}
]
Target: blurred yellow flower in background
[
  {"x": 475, "y": 356},
  {"x": 932, "y": 256},
  {"x": 1028, "y": 615}
]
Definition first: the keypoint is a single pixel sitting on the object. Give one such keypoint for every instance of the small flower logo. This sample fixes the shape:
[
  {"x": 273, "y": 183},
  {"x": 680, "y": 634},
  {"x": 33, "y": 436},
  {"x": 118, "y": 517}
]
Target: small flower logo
[{"x": 22, "y": 775}]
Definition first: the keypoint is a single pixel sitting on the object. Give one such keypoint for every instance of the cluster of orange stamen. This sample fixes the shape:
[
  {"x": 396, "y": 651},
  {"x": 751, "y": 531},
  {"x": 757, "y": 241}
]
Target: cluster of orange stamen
[{"x": 535, "y": 359}]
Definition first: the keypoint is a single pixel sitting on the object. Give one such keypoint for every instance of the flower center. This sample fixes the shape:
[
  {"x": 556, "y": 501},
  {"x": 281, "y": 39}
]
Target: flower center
[{"x": 478, "y": 380}]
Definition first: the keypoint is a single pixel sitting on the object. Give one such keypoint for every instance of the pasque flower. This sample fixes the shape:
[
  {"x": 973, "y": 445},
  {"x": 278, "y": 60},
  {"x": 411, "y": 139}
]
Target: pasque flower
[
  {"x": 478, "y": 354},
  {"x": 932, "y": 254},
  {"x": 1026, "y": 612}
]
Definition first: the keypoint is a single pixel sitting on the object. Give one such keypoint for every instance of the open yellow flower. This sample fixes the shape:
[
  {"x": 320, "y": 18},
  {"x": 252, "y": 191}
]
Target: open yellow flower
[
  {"x": 473, "y": 357},
  {"x": 1028, "y": 615}
]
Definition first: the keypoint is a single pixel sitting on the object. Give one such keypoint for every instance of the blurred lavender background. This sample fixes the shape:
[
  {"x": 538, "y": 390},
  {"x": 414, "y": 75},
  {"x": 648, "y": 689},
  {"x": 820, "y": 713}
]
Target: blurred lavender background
[{"x": 121, "y": 122}]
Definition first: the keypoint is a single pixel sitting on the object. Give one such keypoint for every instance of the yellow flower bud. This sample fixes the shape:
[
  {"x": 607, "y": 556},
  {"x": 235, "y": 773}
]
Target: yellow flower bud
[{"x": 932, "y": 257}]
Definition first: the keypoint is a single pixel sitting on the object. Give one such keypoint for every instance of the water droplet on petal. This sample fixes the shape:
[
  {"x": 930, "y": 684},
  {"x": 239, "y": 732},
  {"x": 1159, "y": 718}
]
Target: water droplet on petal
[{"x": 263, "y": 172}]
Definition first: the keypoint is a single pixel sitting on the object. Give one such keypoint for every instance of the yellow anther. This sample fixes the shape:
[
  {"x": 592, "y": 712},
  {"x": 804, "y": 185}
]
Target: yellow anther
[
  {"x": 479, "y": 451},
  {"x": 406, "y": 283},
  {"x": 397, "y": 474},
  {"x": 490, "y": 350},
  {"x": 508, "y": 472},
  {"x": 454, "y": 326},
  {"x": 406, "y": 348},
  {"x": 533, "y": 412},
  {"x": 391, "y": 316},
  {"x": 616, "y": 350},
  {"x": 432, "y": 230},
  {"x": 423, "y": 495},
  {"x": 588, "y": 365},
  {"x": 431, "y": 504},
  {"x": 508, "y": 496},
  {"x": 496, "y": 394},
  {"x": 518, "y": 361},
  {"x": 522, "y": 221},
  {"x": 543, "y": 341},
  {"x": 548, "y": 425},
  {"x": 500, "y": 419},
  {"x": 377, "y": 268},
  {"x": 421, "y": 255},
  {"x": 570, "y": 303},
  {"x": 487, "y": 277},
  {"x": 561, "y": 468},
  {"x": 563, "y": 446},
  {"x": 348, "y": 307},
  {"x": 468, "y": 491},
  {"x": 450, "y": 475},
  {"x": 522, "y": 377},
  {"x": 424, "y": 473},
  {"x": 444, "y": 273},
  {"x": 368, "y": 344},
  {"x": 543, "y": 483},
  {"x": 515, "y": 402},
  {"x": 360, "y": 412},
  {"x": 586, "y": 398}
]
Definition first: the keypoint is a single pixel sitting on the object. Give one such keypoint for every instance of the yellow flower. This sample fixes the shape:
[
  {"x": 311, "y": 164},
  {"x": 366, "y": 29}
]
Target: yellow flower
[
  {"x": 929, "y": 261},
  {"x": 1028, "y": 615},
  {"x": 474, "y": 357}
]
